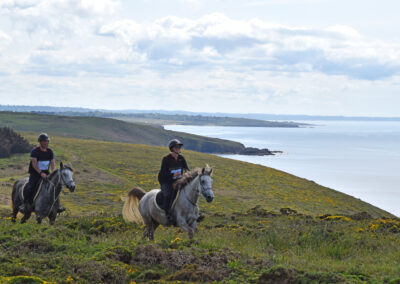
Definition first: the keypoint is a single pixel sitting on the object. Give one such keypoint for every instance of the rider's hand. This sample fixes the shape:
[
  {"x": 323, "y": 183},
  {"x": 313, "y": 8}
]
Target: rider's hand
[{"x": 43, "y": 175}]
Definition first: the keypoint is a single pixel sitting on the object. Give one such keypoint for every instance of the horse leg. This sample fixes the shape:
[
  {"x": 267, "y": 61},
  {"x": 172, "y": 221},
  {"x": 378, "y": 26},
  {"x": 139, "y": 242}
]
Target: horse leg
[
  {"x": 14, "y": 214},
  {"x": 144, "y": 233},
  {"x": 193, "y": 226},
  {"x": 15, "y": 209},
  {"x": 39, "y": 219},
  {"x": 181, "y": 222},
  {"x": 52, "y": 217},
  {"x": 154, "y": 226},
  {"x": 27, "y": 215}
]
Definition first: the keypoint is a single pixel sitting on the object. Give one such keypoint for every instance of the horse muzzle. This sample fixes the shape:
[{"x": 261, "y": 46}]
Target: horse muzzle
[
  {"x": 71, "y": 187},
  {"x": 209, "y": 198}
]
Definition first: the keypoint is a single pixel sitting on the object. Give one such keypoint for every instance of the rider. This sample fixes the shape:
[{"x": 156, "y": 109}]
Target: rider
[
  {"x": 42, "y": 159},
  {"x": 172, "y": 168}
]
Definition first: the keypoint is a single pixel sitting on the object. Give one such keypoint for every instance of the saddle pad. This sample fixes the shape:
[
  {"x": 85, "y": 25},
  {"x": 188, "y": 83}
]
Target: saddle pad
[
  {"x": 23, "y": 192},
  {"x": 35, "y": 190},
  {"x": 160, "y": 198}
]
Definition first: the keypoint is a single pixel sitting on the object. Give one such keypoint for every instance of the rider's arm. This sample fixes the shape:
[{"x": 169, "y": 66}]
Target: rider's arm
[
  {"x": 164, "y": 176},
  {"x": 185, "y": 166},
  {"x": 52, "y": 165},
  {"x": 35, "y": 165}
]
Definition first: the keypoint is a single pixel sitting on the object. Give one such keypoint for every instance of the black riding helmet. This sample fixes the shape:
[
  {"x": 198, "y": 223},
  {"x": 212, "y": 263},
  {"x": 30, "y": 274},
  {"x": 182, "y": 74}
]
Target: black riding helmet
[
  {"x": 43, "y": 137},
  {"x": 173, "y": 143}
]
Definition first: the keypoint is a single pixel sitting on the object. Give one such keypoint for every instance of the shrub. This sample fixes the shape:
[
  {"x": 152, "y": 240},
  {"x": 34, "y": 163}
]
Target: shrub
[{"x": 12, "y": 143}]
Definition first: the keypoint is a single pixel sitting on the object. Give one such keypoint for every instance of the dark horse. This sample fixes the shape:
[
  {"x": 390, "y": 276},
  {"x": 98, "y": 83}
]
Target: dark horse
[{"x": 47, "y": 199}]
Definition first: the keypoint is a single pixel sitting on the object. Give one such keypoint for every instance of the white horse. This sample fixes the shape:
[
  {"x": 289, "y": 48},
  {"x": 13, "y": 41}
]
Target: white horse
[{"x": 141, "y": 207}]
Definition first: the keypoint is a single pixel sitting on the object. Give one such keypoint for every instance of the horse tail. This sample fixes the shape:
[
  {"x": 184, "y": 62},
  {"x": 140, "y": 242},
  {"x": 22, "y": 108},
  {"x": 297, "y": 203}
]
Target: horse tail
[
  {"x": 130, "y": 211},
  {"x": 14, "y": 194}
]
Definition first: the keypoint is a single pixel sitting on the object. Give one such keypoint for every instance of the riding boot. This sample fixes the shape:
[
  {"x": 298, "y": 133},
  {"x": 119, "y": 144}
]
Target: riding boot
[
  {"x": 26, "y": 207},
  {"x": 170, "y": 219},
  {"x": 201, "y": 217},
  {"x": 61, "y": 209}
]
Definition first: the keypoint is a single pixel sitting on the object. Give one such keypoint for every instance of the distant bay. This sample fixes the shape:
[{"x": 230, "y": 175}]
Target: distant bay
[{"x": 359, "y": 158}]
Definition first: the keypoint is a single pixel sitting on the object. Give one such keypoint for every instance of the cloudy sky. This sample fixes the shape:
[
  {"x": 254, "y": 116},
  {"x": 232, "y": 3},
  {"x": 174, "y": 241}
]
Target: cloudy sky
[{"x": 327, "y": 57}]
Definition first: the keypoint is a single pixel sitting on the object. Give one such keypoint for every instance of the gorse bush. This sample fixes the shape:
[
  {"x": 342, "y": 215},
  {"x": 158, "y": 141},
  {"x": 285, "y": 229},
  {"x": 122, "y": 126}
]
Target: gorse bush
[{"x": 12, "y": 143}]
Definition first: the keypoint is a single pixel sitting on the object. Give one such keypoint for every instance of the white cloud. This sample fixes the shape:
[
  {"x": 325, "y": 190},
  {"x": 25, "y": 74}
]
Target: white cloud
[
  {"x": 335, "y": 50},
  {"x": 4, "y": 39},
  {"x": 72, "y": 49}
]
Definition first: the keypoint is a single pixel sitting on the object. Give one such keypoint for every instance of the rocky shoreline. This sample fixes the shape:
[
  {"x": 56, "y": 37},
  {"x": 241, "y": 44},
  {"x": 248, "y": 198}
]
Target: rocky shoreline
[{"x": 251, "y": 151}]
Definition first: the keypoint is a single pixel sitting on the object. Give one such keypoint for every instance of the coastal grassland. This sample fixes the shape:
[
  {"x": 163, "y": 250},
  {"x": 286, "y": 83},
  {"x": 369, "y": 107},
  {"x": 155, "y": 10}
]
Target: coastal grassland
[
  {"x": 229, "y": 248},
  {"x": 244, "y": 238},
  {"x": 104, "y": 171}
]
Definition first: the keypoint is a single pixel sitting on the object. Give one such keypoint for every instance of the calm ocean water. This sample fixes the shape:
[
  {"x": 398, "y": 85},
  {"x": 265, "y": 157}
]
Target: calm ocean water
[{"x": 359, "y": 158}]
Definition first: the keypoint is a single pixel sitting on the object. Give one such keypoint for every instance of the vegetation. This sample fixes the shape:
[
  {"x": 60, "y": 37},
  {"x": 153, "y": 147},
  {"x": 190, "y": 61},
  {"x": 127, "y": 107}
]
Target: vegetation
[
  {"x": 264, "y": 226},
  {"x": 12, "y": 143}
]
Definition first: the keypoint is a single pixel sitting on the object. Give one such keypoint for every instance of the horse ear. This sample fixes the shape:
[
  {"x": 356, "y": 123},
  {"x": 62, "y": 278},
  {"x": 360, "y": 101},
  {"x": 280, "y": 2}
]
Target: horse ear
[
  {"x": 211, "y": 171},
  {"x": 203, "y": 170},
  {"x": 61, "y": 165}
]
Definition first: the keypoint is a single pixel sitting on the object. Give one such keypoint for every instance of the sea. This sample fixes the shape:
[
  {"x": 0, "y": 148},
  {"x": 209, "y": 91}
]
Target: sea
[{"x": 359, "y": 158}]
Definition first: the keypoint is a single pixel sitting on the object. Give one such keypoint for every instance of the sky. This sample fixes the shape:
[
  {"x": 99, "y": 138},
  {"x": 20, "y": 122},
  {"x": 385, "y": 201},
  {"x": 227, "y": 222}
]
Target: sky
[{"x": 315, "y": 57}]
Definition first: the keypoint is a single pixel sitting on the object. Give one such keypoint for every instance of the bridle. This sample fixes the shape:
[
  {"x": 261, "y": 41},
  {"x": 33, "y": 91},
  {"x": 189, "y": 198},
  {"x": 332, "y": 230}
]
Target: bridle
[
  {"x": 60, "y": 178},
  {"x": 202, "y": 189}
]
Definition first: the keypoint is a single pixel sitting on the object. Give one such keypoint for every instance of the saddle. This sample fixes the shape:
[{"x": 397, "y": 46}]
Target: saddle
[
  {"x": 36, "y": 190},
  {"x": 160, "y": 199}
]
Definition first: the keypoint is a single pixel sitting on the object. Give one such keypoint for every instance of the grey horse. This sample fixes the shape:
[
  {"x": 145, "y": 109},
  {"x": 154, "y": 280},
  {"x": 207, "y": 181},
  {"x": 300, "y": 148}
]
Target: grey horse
[
  {"x": 141, "y": 207},
  {"x": 47, "y": 200}
]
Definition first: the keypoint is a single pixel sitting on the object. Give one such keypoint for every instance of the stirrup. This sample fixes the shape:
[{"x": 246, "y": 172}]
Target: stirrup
[
  {"x": 61, "y": 209},
  {"x": 170, "y": 221},
  {"x": 200, "y": 218},
  {"x": 21, "y": 208},
  {"x": 25, "y": 208}
]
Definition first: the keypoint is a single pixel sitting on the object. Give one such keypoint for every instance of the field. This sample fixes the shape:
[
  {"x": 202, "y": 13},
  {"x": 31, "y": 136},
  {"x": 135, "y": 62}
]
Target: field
[{"x": 247, "y": 236}]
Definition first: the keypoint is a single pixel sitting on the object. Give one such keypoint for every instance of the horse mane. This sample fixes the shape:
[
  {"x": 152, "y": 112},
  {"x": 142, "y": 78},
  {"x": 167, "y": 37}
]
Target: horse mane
[
  {"x": 187, "y": 178},
  {"x": 69, "y": 168},
  {"x": 55, "y": 171}
]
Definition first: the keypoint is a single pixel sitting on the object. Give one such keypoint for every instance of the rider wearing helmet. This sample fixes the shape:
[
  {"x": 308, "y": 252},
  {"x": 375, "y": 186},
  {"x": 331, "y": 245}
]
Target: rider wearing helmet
[
  {"x": 42, "y": 159},
  {"x": 172, "y": 168}
]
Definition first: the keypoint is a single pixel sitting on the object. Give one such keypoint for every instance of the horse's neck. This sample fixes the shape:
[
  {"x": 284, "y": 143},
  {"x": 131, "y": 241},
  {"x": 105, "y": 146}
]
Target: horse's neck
[
  {"x": 191, "y": 190},
  {"x": 56, "y": 182}
]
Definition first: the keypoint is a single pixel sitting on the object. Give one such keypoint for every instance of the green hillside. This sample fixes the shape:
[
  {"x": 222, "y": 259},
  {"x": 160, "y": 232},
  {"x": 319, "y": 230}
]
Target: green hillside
[
  {"x": 105, "y": 170},
  {"x": 108, "y": 129},
  {"x": 246, "y": 236}
]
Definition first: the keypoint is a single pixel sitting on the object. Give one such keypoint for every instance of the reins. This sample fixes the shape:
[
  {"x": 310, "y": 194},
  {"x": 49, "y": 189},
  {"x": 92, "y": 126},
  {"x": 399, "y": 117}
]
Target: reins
[
  {"x": 187, "y": 197},
  {"x": 53, "y": 187}
]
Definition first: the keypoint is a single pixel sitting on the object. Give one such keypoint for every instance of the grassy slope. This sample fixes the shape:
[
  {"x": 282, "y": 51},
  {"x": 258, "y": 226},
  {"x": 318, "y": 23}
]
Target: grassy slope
[
  {"x": 88, "y": 247},
  {"x": 112, "y": 130}
]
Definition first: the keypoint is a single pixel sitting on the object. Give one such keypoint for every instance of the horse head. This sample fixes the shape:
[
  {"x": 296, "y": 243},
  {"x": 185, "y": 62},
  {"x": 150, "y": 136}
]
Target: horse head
[
  {"x": 206, "y": 183},
  {"x": 66, "y": 172}
]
